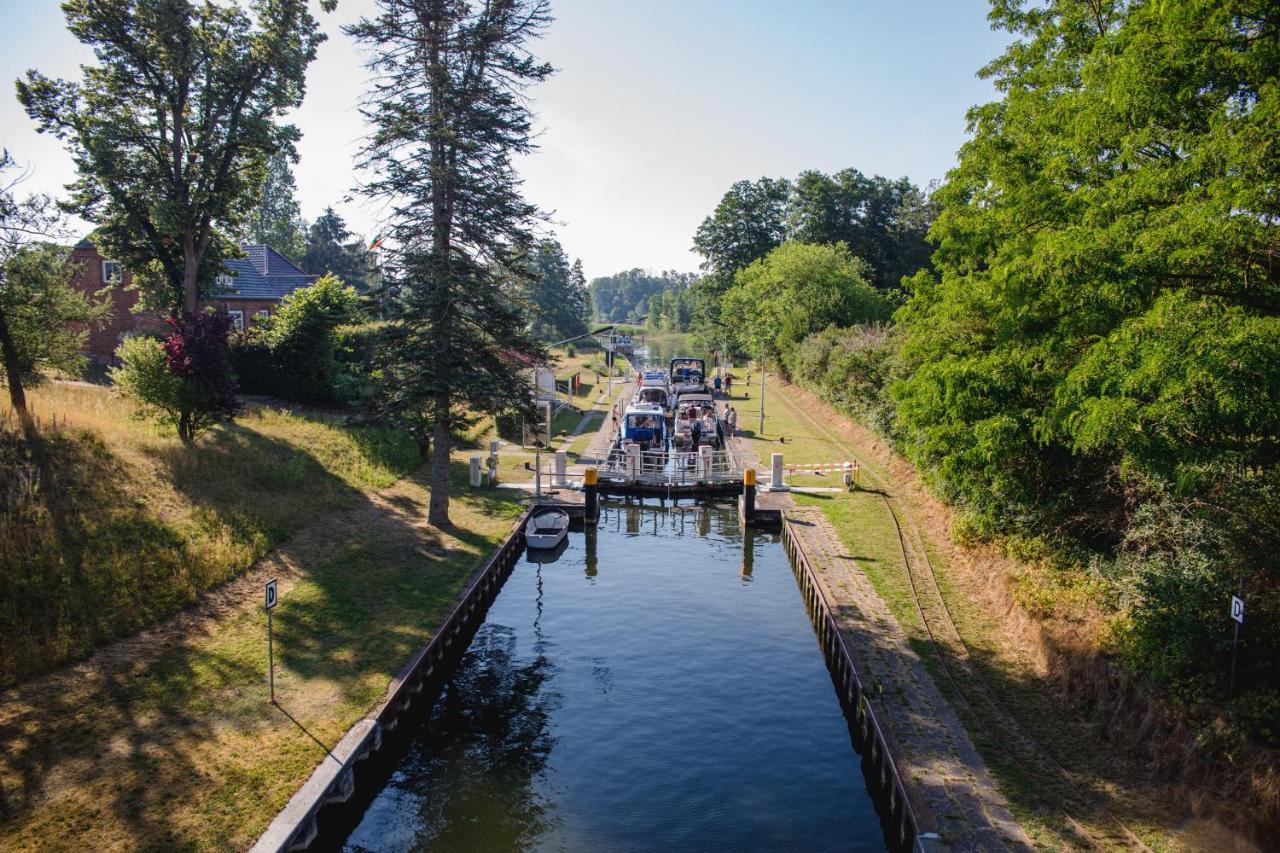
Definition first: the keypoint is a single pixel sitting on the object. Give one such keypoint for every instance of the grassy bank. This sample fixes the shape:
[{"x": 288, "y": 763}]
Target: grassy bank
[
  {"x": 1003, "y": 658},
  {"x": 119, "y": 525},
  {"x": 166, "y": 740}
]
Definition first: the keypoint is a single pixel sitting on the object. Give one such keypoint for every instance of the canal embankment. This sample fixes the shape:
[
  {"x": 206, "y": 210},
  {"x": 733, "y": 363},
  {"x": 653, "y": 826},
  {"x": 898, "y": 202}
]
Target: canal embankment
[
  {"x": 168, "y": 740},
  {"x": 1064, "y": 782}
]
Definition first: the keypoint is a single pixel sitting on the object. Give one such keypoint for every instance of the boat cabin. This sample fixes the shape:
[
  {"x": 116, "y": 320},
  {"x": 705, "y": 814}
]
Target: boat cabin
[
  {"x": 688, "y": 373},
  {"x": 646, "y": 425},
  {"x": 653, "y": 379},
  {"x": 696, "y": 422},
  {"x": 653, "y": 396}
]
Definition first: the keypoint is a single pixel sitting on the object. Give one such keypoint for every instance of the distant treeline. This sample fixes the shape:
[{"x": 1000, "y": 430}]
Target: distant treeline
[{"x": 630, "y": 295}]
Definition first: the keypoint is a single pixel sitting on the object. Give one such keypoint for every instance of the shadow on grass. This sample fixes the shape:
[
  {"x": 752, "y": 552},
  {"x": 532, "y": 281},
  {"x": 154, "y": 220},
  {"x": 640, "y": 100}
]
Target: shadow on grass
[{"x": 139, "y": 732}]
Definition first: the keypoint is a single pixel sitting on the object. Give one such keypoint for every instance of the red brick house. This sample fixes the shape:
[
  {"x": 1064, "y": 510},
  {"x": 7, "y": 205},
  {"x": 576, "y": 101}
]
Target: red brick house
[{"x": 251, "y": 290}]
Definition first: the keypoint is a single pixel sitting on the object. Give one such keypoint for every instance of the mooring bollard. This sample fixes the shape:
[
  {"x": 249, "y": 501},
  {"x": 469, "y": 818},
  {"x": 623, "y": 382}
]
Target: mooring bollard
[
  {"x": 592, "y": 493},
  {"x": 562, "y": 462},
  {"x": 775, "y": 482},
  {"x": 475, "y": 472},
  {"x": 747, "y": 506},
  {"x": 633, "y": 462}
]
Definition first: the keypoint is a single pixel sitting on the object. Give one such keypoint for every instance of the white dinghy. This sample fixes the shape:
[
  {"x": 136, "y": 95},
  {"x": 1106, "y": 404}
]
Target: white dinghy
[{"x": 546, "y": 528}]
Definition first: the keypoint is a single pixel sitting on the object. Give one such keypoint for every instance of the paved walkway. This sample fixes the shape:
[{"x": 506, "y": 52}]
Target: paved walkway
[{"x": 932, "y": 749}]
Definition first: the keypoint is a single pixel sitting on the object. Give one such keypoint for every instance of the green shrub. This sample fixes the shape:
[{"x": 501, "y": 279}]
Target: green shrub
[
  {"x": 184, "y": 381},
  {"x": 295, "y": 355}
]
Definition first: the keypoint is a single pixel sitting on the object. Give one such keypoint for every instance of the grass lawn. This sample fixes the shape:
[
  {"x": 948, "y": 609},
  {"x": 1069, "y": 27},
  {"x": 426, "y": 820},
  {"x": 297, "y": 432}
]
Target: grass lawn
[
  {"x": 166, "y": 740},
  {"x": 127, "y": 526},
  {"x": 815, "y": 433}
]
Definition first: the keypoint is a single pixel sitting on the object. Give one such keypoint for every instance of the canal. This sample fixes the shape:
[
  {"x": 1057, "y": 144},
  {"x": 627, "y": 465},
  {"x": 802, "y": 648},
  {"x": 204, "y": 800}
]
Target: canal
[{"x": 656, "y": 687}]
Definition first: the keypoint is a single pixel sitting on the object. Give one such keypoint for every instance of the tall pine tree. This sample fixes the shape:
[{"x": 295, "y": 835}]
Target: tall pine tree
[{"x": 449, "y": 110}]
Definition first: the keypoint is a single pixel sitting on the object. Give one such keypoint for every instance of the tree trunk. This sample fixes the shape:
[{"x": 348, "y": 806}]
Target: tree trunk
[
  {"x": 13, "y": 376},
  {"x": 438, "y": 507},
  {"x": 184, "y": 429},
  {"x": 190, "y": 275}
]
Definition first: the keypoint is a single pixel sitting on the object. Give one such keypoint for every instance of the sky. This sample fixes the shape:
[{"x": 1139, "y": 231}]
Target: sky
[{"x": 657, "y": 107}]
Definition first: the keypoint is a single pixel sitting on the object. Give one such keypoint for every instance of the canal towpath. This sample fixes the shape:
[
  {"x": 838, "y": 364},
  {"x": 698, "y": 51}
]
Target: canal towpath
[{"x": 947, "y": 778}]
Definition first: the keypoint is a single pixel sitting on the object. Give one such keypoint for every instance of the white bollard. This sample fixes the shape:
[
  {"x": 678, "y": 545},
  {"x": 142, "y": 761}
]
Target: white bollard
[
  {"x": 492, "y": 462},
  {"x": 562, "y": 462},
  {"x": 775, "y": 482},
  {"x": 705, "y": 469},
  {"x": 633, "y": 461},
  {"x": 475, "y": 471}
]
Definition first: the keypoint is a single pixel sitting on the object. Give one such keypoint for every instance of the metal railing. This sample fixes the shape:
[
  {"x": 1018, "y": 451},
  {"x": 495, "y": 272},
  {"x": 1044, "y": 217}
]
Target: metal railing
[{"x": 662, "y": 468}]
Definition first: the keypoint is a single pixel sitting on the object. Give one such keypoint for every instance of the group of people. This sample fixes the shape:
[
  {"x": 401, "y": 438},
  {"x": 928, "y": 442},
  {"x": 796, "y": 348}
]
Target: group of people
[{"x": 698, "y": 422}]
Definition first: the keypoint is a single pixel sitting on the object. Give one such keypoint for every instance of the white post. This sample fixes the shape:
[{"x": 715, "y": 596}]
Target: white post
[
  {"x": 633, "y": 461},
  {"x": 475, "y": 472},
  {"x": 704, "y": 462},
  {"x": 775, "y": 483},
  {"x": 537, "y": 472},
  {"x": 562, "y": 461}
]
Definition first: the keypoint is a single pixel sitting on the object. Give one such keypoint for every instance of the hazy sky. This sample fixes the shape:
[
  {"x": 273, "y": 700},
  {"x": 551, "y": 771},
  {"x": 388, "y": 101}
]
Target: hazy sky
[{"x": 658, "y": 106}]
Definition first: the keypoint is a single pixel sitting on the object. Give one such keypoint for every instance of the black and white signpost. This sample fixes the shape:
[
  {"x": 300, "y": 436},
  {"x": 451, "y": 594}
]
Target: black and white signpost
[
  {"x": 270, "y": 603},
  {"x": 1237, "y": 615}
]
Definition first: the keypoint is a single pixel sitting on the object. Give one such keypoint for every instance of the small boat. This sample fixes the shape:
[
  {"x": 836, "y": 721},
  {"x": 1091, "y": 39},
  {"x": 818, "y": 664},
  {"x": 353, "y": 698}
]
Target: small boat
[{"x": 546, "y": 528}]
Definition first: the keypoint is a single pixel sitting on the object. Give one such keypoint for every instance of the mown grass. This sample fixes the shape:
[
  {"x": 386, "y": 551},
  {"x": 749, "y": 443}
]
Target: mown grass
[
  {"x": 167, "y": 740},
  {"x": 177, "y": 747},
  {"x": 122, "y": 525}
]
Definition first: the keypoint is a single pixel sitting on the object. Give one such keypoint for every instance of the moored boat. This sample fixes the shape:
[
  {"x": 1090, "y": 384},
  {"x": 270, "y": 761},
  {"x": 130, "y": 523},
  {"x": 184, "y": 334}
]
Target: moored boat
[{"x": 546, "y": 528}]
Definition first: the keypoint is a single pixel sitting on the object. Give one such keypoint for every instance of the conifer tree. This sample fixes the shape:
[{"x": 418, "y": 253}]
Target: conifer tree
[{"x": 448, "y": 109}]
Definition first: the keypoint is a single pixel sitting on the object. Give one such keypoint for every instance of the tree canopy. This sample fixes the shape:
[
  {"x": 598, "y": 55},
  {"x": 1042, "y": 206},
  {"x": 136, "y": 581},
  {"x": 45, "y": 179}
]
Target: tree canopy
[
  {"x": 626, "y": 295},
  {"x": 276, "y": 219},
  {"x": 557, "y": 293},
  {"x": 1096, "y": 359},
  {"x": 332, "y": 248},
  {"x": 794, "y": 291},
  {"x": 172, "y": 127}
]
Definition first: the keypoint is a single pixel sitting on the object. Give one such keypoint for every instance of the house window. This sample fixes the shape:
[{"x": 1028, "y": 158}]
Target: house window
[
  {"x": 237, "y": 320},
  {"x": 110, "y": 272},
  {"x": 225, "y": 282},
  {"x": 261, "y": 315}
]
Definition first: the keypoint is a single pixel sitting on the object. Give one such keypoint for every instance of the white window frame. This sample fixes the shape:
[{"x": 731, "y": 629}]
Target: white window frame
[
  {"x": 237, "y": 320},
  {"x": 115, "y": 277},
  {"x": 226, "y": 280},
  {"x": 263, "y": 314}
]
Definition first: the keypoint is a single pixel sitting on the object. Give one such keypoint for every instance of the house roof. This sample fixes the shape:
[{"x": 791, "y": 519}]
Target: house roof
[{"x": 263, "y": 273}]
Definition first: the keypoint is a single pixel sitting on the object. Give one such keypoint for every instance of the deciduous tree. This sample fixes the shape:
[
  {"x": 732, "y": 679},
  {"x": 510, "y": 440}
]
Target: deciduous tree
[
  {"x": 43, "y": 319},
  {"x": 172, "y": 127}
]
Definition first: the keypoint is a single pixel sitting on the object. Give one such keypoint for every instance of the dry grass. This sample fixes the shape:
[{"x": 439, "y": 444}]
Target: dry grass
[
  {"x": 166, "y": 740},
  {"x": 125, "y": 526}
]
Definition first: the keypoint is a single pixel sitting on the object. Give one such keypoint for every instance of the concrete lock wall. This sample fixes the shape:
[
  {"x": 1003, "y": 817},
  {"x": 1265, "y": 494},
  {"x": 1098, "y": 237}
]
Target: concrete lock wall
[{"x": 329, "y": 803}]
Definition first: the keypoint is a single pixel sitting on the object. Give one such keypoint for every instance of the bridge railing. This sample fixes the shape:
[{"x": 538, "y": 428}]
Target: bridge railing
[{"x": 660, "y": 468}]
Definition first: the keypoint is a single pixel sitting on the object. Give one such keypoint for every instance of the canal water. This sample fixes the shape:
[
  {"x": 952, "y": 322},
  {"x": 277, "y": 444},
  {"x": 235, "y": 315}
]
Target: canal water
[{"x": 656, "y": 687}]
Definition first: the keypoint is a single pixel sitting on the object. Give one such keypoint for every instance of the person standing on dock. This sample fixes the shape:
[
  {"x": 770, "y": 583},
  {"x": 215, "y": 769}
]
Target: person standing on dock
[
  {"x": 716, "y": 383},
  {"x": 728, "y": 384}
]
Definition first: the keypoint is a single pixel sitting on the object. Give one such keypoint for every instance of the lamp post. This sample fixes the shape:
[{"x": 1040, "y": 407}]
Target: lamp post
[{"x": 761, "y": 392}]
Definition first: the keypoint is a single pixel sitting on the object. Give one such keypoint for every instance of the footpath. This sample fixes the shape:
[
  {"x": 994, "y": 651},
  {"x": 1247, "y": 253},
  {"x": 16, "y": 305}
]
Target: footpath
[{"x": 943, "y": 770}]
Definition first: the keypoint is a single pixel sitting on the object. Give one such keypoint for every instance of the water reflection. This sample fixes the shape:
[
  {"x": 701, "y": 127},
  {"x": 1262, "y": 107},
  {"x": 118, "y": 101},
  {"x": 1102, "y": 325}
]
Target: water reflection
[{"x": 675, "y": 701}]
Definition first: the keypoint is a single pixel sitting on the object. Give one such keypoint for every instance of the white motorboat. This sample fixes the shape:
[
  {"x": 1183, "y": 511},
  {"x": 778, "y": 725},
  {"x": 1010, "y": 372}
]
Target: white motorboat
[{"x": 546, "y": 528}]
